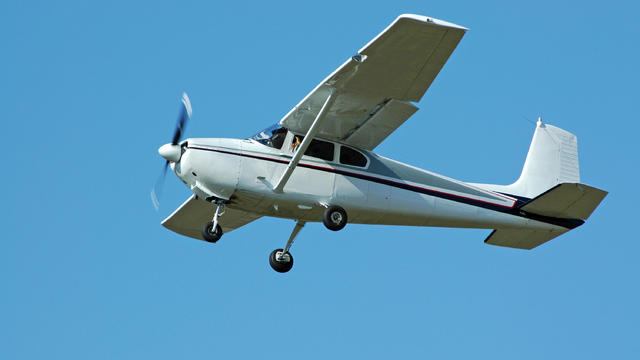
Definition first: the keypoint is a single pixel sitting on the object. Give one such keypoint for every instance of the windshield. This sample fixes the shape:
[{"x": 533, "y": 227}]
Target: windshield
[{"x": 273, "y": 136}]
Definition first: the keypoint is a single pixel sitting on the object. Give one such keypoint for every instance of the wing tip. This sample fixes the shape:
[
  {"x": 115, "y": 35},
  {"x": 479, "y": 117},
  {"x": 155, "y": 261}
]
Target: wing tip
[{"x": 431, "y": 21}]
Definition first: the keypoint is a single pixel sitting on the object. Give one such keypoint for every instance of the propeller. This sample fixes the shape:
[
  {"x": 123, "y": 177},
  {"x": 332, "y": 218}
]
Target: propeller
[{"x": 171, "y": 152}]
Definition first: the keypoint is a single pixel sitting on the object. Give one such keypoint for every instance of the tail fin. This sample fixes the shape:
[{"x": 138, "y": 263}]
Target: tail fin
[
  {"x": 551, "y": 178},
  {"x": 552, "y": 160}
]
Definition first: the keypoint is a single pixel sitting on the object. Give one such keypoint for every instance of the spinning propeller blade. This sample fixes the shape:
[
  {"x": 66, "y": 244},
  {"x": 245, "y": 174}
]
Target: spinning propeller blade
[
  {"x": 185, "y": 115},
  {"x": 156, "y": 192}
]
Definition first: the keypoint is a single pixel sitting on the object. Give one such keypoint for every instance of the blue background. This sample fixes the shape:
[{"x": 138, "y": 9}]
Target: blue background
[{"x": 90, "y": 90}]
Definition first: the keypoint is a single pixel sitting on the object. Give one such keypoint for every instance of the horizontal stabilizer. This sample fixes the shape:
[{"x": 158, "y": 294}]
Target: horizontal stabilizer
[
  {"x": 567, "y": 200},
  {"x": 522, "y": 238},
  {"x": 191, "y": 216}
]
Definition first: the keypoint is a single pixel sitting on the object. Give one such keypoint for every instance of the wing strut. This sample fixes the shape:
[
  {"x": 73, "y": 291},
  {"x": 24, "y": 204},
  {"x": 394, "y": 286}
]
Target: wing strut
[{"x": 313, "y": 130}]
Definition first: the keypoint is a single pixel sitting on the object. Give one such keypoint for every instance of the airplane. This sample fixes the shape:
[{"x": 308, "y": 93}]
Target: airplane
[{"x": 317, "y": 163}]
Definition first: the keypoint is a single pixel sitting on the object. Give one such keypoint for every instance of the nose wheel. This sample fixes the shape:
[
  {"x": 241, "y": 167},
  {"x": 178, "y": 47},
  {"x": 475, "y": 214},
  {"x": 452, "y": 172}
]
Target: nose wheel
[
  {"x": 211, "y": 234},
  {"x": 280, "y": 259},
  {"x": 211, "y": 231}
]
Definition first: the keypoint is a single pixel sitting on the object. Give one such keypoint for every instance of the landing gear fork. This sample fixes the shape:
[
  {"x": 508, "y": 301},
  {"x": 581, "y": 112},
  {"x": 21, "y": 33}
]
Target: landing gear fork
[{"x": 211, "y": 231}]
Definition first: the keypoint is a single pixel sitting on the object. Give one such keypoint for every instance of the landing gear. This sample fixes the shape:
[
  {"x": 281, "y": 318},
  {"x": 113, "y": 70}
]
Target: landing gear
[
  {"x": 334, "y": 218},
  {"x": 211, "y": 231},
  {"x": 280, "y": 259}
]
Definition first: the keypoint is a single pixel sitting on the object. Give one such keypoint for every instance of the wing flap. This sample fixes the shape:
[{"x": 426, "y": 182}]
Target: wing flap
[
  {"x": 189, "y": 218},
  {"x": 567, "y": 200},
  {"x": 381, "y": 123},
  {"x": 522, "y": 238}
]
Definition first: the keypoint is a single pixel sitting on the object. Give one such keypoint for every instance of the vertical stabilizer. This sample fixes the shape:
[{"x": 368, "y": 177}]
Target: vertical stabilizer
[{"x": 552, "y": 160}]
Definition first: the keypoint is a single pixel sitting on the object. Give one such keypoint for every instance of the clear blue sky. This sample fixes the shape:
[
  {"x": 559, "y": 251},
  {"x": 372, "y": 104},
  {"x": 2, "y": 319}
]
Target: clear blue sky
[{"x": 90, "y": 89}]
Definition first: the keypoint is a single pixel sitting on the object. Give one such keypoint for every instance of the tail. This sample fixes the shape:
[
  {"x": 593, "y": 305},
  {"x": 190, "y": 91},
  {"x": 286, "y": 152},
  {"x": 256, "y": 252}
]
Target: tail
[
  {"x": 549, "y": 186},
  {"x": 550, "y": 179},
  {"x": 552, "y": 160}
]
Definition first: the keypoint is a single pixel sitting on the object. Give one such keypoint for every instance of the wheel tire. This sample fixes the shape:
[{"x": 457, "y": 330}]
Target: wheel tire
[
  {"x": 334, "y": 218},
  {"x": 209, "y": 234},
  {"x": 280, "y": 266}
]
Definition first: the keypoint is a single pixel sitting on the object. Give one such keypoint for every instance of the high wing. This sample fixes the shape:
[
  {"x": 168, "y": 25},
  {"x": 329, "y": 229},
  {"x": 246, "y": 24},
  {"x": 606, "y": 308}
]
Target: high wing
[
  {"x": 375, "y": 88},
  {"x": 189, "y": 218}
]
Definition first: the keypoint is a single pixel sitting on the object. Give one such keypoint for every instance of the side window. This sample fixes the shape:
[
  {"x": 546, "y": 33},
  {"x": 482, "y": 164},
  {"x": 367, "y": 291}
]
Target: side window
[
  {"x": 277, "y": 139},
  {"x": 348, "y": 156},
  {"x": 320, "y": 149}
]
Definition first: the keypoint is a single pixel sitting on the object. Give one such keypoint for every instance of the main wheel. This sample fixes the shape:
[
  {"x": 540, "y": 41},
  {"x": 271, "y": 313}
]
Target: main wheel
[
  {"x": 282, "y": 263},
  {"x": 211, "y": 235},
  {"x": 334, "y": 218}
]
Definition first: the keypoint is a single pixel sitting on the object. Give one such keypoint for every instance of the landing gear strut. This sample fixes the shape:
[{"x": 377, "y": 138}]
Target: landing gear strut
[
  {"x": 334, "y": 218},
  {"x": 280, "y": 259},
  {"x": 211, "y": 231}
]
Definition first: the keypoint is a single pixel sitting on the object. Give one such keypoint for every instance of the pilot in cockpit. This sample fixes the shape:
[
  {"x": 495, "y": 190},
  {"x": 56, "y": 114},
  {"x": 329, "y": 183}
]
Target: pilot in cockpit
[{"x": 295, "y": 143}]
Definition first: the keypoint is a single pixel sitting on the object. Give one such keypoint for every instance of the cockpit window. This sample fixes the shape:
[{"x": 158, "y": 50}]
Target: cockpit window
[
  {"x": 272, "y": 136},
  {"x": 318, "y": 148},
  {"x": 349, "y": 156}
]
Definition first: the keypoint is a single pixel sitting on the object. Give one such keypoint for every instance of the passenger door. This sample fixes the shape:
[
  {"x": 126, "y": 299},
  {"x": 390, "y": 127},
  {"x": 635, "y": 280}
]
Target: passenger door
[{"x": 314, "y": 174}]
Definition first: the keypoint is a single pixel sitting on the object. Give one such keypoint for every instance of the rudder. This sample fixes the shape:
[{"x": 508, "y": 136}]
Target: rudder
[{"x": 552, "y": 159}]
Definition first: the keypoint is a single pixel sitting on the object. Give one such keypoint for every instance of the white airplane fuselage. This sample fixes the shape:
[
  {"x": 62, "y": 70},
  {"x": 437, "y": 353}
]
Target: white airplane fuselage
[
  {"x": 312, "y": 165},
  {"x": 384, "y": 191}
]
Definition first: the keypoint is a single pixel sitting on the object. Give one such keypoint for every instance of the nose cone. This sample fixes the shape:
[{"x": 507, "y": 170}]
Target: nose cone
[{"x": 170, "y": 152}]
